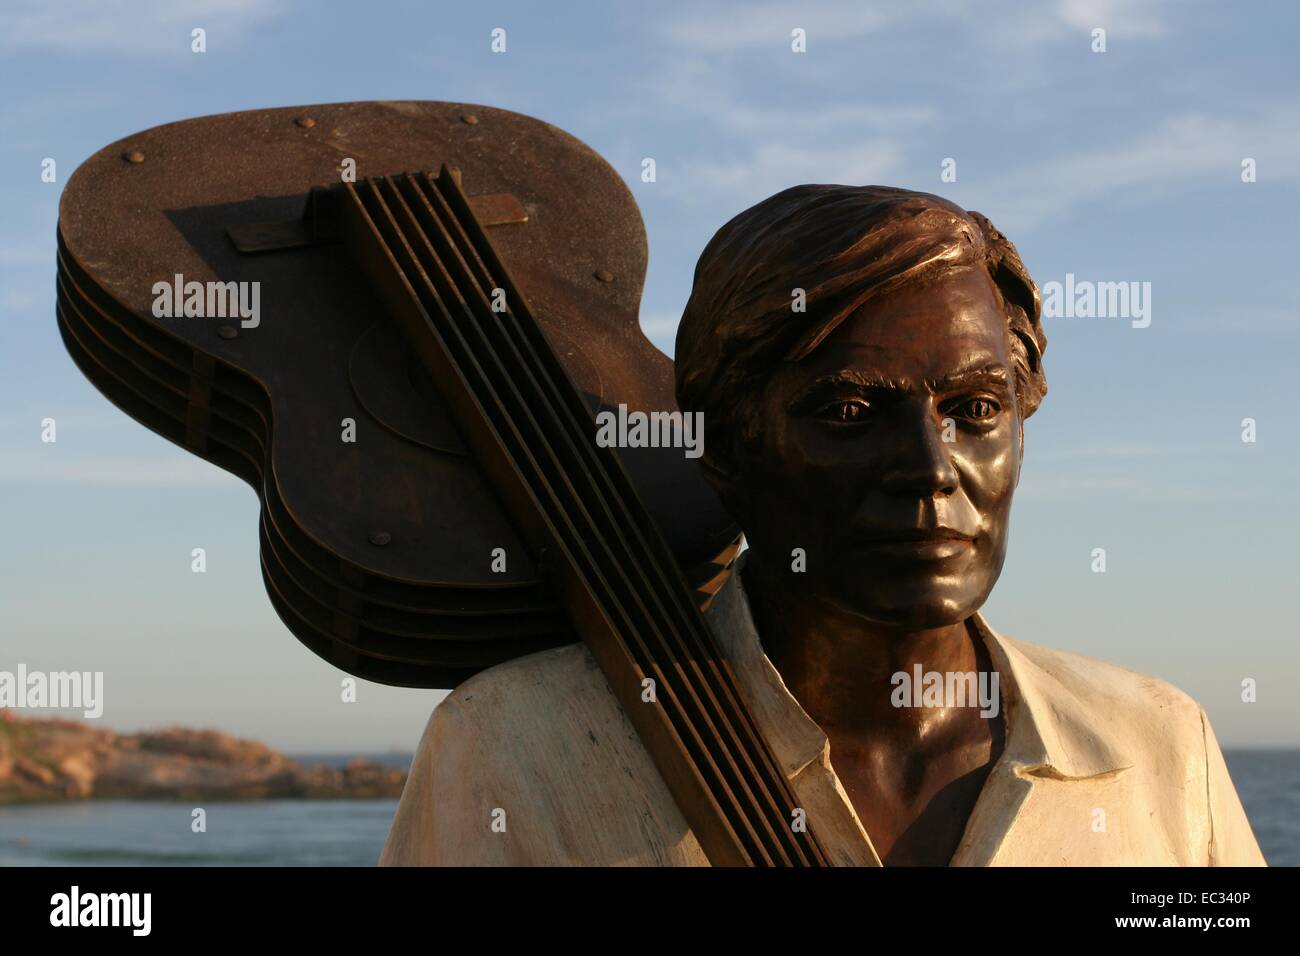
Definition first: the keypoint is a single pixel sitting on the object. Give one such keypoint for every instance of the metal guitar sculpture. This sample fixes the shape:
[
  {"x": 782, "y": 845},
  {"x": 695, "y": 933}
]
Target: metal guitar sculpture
[{"x": 413, "y": 404}]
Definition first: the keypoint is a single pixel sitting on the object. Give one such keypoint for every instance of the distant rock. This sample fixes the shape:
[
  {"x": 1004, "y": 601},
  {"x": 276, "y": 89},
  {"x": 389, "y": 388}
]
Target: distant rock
[{"x": 52, "y": 759}]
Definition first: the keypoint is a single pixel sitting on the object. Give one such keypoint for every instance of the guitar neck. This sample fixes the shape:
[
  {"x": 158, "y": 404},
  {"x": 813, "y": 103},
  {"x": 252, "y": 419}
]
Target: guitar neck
[{"x": 418, "y": 240}]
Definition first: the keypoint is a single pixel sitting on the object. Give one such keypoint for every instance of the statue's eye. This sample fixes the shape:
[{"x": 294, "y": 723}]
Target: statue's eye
[
  {"x": 849, "y": 411},
  {"x": 978, "y": 409}
]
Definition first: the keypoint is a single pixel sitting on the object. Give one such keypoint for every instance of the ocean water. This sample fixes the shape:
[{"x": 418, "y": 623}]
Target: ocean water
[
  {"x": 352, "y": 832},
  {"x": 152, "y": 833},
  {"x": 1268, "y": 782},
  {"x": 157, "y": 833}
]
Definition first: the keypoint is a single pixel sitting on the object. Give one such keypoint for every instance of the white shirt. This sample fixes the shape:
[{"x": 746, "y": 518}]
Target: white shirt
[{"x": 534, "y": 762}]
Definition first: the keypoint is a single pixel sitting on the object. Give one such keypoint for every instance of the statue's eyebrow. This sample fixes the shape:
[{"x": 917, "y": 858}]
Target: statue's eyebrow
[{"x": 994, "y": 375}]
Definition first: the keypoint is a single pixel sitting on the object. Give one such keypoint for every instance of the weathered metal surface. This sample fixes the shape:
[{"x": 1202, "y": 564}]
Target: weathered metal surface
[{"x": 267, "y": 402}]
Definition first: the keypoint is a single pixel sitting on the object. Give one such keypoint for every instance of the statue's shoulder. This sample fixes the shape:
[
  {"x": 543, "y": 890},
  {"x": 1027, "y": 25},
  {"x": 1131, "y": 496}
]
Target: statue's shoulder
[
  {"x": 542, "y": 741},
  {"x": 534, "y": 691},
  {"x": 1086, "y": 691}
]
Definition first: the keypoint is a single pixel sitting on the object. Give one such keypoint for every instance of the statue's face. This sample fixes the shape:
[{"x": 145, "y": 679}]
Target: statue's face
[{"x": 889, "y": 455}]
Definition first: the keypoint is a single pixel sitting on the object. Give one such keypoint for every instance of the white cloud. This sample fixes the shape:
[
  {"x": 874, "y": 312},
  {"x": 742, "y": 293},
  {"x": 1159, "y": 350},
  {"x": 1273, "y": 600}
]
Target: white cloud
[
  {"x": 770, "y": 167},
  {"x": 753, "y": 150},
  {"x": 1191, "y": 148},
  {"x": 1067, "y": 21},
  {"x": 1126, "y": 17},
  {"x": 129, "y": 27},
  {"x": 717, "y": 29},
  {"x": 756, "y": 146},
  {"x": 699, "y": 89},
  {"x": 826, "y": 118}
]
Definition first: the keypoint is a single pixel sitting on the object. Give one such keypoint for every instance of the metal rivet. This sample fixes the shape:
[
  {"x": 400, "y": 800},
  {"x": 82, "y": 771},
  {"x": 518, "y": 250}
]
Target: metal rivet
[
  {"x": 135, "y": 156},
  {"x": 379, "y": 538},
  {"x": 605, "y": 275},
  {"x": 228, "y": 332},
  {"x": 306, "y": 122},
  {"x": 469, "y": 119}
]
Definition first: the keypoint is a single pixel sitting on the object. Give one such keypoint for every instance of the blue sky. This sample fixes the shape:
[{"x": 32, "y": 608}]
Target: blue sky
[{"x": 1115, "y": 166}]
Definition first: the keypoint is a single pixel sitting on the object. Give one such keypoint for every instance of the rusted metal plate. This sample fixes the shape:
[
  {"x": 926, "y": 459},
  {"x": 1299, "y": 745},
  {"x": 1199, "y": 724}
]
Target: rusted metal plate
[
  {"x": 252, "y": 238},
  {"x": 498, "y": 209}
]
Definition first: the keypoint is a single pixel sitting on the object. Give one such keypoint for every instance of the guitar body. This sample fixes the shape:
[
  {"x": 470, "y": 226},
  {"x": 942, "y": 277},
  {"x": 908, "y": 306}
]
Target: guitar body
[{"x": 384, "y": 548}]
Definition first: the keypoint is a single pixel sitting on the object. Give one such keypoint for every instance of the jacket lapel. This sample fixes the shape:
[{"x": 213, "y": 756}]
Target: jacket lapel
[{"x": 1051, "y": 738}]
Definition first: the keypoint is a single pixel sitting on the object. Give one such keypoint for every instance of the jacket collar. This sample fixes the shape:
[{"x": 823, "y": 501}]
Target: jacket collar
[{"x": 1051, "y": 732}]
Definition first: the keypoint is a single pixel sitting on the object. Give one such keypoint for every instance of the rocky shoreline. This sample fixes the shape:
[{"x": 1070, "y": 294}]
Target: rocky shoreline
[{"x": 53, "y": 760}]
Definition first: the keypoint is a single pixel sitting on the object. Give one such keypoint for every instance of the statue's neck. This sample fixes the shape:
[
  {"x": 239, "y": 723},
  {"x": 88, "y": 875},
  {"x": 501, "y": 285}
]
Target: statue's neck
[{"x": 841, "y": 667}]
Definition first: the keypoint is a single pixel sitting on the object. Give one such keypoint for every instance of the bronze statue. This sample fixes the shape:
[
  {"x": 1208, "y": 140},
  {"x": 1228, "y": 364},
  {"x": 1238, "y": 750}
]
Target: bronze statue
[
  {"x": 865, "y": 359},
  {"x": 881, "y": 433},
  {"x": 417, "y": 385}
]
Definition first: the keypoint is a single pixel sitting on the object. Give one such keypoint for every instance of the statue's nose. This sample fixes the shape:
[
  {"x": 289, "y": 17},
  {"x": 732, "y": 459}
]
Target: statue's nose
[{"x": 919, "y": 462}]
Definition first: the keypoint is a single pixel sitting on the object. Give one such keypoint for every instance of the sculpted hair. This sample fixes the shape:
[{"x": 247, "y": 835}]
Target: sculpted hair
[{"x": 843, "y": 245}]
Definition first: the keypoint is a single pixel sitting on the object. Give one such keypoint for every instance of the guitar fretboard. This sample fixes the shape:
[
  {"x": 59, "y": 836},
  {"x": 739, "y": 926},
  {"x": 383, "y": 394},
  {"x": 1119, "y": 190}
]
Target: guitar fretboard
[{"x": 419, "y": 242}]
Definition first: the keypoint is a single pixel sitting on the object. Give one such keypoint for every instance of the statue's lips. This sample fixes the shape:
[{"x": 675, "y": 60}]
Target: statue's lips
[{"x": 915, "y": 544}]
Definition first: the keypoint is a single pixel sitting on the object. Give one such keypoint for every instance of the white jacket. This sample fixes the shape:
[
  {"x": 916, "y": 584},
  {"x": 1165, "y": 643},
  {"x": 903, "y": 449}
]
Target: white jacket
[{"x": 534, "y": 762}]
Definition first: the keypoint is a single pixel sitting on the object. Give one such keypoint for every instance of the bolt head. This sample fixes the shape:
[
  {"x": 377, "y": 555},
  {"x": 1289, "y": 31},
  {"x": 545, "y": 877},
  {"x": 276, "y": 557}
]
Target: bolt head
[
  {"x": 134, "y": 156},
  {"x": 228, "y": 332},
  {"x": 306, "y": 122},
  {"x": 604, "y": 275},
  {"x": 469, "y": 119},
  {"x": 379, "y": 538}
]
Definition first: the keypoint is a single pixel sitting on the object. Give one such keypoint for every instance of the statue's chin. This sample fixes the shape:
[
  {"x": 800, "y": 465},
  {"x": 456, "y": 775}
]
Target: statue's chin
[
  {"x": 913, "y": 612},
  {"x": 917, "y": 617}
]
